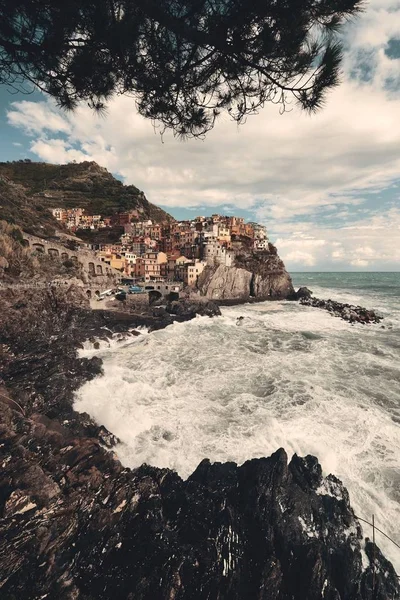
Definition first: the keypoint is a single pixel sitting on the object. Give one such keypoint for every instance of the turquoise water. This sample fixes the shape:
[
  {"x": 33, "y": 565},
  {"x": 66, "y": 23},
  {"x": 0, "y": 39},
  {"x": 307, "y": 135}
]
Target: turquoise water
[{"x": 289, "y": 376}]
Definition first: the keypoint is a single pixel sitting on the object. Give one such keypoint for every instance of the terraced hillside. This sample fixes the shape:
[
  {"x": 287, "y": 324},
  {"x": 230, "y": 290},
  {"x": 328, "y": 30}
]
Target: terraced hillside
[{"x": 41, "y": 186}]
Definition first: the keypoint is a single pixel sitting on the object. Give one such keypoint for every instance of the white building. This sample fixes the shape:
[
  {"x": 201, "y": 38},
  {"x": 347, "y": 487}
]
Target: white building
[
  {"x": 216, "y": 253},
  {"x": 260, "y": 231},
  {"x": 130, "y": 258},
  {"x": 60, "y": 214}
]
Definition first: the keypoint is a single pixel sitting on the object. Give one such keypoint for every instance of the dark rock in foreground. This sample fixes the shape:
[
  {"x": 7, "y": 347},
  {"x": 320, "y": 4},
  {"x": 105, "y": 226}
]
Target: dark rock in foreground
[
  {"x": 348, "y": 312},
  {"x": 76, "y": 525}
]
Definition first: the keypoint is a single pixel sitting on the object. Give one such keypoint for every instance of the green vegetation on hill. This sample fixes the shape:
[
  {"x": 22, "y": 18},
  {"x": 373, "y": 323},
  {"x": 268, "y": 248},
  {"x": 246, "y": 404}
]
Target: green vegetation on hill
[{"x": 85, "y": 185}]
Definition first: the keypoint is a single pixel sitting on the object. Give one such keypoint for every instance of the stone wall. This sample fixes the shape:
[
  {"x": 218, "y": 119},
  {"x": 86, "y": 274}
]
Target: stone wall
[{"x": 91, "y": 265}]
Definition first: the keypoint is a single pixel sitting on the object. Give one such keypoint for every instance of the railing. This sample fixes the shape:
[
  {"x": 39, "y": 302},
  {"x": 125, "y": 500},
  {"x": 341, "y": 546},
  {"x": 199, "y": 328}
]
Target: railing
[{"x": 375, "y": 528}]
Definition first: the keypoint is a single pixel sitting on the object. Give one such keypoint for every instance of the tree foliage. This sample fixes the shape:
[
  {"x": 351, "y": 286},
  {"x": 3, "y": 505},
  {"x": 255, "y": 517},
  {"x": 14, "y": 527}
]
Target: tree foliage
[{"x": 183, "y": 61}]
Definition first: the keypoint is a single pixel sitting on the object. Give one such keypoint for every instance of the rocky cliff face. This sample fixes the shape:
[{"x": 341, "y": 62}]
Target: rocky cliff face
[
  {"x": 259, "y": 275},
  {"x": 76, "y": 525},
  {"x": 225, "y": 283}
]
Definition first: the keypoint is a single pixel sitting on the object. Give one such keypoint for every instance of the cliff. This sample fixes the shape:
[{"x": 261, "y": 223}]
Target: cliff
[
  {"x": 258, "y": 275},
  {"x": 28, "y": 189}
]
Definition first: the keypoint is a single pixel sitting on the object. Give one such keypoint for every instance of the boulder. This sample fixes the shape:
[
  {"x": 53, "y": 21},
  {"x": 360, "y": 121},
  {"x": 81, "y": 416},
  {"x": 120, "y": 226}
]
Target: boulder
[
  {"x": 76, "y": 525},
  {"x": 190, "y": 308},
  {"x": 303, "y": 292}
]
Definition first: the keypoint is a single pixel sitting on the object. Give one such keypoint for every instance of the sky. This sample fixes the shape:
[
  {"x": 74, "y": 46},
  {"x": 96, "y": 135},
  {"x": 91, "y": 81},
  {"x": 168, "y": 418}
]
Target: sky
[{"x": 326, "y": 186}]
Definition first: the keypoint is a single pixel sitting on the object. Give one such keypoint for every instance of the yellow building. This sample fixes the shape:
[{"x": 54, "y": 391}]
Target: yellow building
[{"x": 194, "y": 270}]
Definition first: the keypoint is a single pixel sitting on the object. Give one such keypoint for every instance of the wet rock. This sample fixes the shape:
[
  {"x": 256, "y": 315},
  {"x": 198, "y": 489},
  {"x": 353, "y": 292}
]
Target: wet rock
[
  {"x": 191, "y": 308},
  {"x": 269, "y": 529},
  {"x": 302, "y": 292},
  {"x": 348, "y": 312}
]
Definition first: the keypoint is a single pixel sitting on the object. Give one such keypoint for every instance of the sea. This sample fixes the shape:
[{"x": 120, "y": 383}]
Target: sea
[{"x": 285, "y": 376}]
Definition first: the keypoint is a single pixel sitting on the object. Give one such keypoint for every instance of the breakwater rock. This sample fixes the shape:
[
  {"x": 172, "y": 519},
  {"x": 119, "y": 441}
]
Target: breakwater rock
[
  {"x": 348, "y": 312},
  {"x": 191, "y": 308}
]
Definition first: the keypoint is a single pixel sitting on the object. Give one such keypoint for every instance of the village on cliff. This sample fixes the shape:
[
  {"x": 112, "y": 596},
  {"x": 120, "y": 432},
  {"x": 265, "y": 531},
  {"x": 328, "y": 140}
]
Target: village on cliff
[{"x": 168, "y": 251}]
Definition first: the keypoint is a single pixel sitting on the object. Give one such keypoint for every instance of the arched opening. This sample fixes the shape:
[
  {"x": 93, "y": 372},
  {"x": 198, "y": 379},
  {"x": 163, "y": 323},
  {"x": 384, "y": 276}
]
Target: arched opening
[
  {"x": 91, "y": 269},
  {"x": 74, "y": 259},
  {"x": 25, "y": 243},
  {"x": 154, "y": 296},
  {"x": 173, "y": 296},
  {"x": 38, "y": 247},
  {"x": 97, "y": 293},
  {"x": 89, "y": 294},
  {"x": 64, "y": 256},
  {"x": 53, "y": 252},
  {"x": 99, "y": 270}
]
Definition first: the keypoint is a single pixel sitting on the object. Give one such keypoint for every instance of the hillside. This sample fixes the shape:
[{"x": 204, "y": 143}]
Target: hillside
[
  {"x": 18, "y": 209},
  {"x": 35, "y": 187}
]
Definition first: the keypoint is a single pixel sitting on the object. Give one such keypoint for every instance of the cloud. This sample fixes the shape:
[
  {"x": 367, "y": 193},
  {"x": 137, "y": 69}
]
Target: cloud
[
  {"x": 38, "y": 117},
  {"x": 371, "y": 242},
  {"x": 358, "y": 262}
]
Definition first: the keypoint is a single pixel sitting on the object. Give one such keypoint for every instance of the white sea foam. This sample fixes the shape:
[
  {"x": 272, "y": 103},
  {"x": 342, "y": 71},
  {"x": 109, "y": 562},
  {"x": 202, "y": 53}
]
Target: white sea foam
[
  {"x": 290, "y": 376},
  {"x": 115, "y": 341}
]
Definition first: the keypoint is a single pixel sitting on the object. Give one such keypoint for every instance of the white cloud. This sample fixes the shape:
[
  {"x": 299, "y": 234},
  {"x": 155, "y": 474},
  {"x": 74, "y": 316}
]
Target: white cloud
[
  {"x": 358, "y": 262},
  {"x": 37, "y": 117},
  {"x": 56, "y": 150},
  {"x": 372, "y": 241},
  {"x": 292, "y": 163}
]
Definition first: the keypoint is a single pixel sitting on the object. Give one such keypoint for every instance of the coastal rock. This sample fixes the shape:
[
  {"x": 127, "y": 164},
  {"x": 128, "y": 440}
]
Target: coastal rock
[
  {"x": 76, "y": 525},
  {"x": 225, "y": 283},
  {"x": 255, "y": 275},
  {"x": 348, "y": 312},
  {"x": 272, "y": 286},
  {"x": 185, "y": 308},
  {"x": 302, "y": 292}
]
